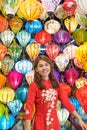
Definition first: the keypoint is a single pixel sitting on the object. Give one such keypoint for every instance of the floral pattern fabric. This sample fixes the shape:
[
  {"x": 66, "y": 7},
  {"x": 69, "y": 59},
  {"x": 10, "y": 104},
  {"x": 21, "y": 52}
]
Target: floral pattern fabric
[{"x": 45, "y": 117}]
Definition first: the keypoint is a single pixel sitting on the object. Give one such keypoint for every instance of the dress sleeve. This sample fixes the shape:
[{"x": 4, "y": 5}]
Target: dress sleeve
[
  {"x": 63, "y": 97},
  {"x": 30, "y": 101}
]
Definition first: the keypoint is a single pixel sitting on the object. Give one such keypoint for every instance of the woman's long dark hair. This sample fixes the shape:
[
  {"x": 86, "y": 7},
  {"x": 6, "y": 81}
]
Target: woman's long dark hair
[{"x": 37, "y": 76}]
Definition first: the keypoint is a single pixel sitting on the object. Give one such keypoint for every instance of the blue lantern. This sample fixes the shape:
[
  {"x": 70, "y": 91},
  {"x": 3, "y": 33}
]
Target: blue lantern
[
  {"x": 23, "y": 37},
  {"x": 5, "y": 123},
  {"x": 24, "y": 66},
  {"x": 33, "y": 27},
  {"x": 21, "y": 93},
  {"x": 15, "y": 106},
  {"x": 75, "y": 102}
]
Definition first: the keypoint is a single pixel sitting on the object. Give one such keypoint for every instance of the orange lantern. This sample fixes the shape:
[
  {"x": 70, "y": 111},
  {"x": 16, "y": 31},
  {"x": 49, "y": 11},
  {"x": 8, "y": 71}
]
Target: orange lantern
[
  {"x": 3, "y": 51},
  {"x": 3, "y": 23},
  {"x": 2, "y": 80}
]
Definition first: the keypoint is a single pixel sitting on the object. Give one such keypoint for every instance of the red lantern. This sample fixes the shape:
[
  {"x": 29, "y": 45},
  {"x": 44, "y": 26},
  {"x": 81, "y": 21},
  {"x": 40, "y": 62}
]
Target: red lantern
[
  {"x": 71, "y": 75},
  {"x": 52, "y": 51},
  {"x": 43, "y": 37},
  {"x": 69, "y": 6},
  {"x": 81, "y": 95}
]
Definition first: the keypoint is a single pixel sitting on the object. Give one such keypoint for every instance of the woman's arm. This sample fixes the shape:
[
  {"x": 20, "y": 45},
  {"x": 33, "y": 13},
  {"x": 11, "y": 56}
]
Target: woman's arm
[
  {"x": 27, "y": 125},
  {"x": 80, "y": 121}
]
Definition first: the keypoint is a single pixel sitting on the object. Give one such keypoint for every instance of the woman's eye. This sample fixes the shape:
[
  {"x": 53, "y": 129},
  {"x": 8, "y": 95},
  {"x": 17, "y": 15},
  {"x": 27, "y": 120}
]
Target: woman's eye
[{"x": 46, "y": 64}]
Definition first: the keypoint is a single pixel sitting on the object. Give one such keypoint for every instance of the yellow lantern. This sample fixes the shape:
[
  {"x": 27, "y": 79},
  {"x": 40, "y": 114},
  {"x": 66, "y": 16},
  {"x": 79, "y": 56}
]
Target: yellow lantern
[
  {"x": 71, "y": 24},
  {"x": 81, "y": 52},
  {"x": 31, "y": 9},
  {"x": 1, "y": 4},
  {"x": 6, "y": 94},
  {"x": 33, "y": 50},
  {"x": 80, "y": 82}
]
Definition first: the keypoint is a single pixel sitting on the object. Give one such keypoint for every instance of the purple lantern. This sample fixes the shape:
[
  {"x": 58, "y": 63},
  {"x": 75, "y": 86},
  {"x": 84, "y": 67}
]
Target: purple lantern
[
  {"x": 56, "y": 74},
  {"x": 62, "y": 37}
]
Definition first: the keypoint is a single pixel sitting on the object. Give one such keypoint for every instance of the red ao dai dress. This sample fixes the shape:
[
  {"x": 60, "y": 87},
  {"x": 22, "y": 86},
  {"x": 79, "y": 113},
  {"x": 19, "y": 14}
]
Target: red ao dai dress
[{"x": 45, "y": 117}]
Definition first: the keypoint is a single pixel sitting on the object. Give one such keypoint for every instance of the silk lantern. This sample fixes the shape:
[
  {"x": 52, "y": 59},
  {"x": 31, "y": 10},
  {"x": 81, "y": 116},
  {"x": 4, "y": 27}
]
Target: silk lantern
[
  {"x": 15, "y": 78},
  {"x": 77, "y": 63},
  {"x": 30, "y": 10},
  {"x": 75, "y": 102},
  {"x": 52, "y": 26},
  {"x": 14, "y": 50},
  {"x": 80, "y": 82},
  {"x": 43, "y": 37},
  {"x": 2, "y": 80},
  {"x": 7, "y": 64},
  {"x": 82, "y": 113},
  {"x": 69, "y": 6},
  {"x": 2, "y": 109},
  {"x": 71, "y": 24},
  {"x": 33, "y": 50},
  {"x": 49, "y": 5},
  {"x": 23, "y": 37},
  {"x": 63, "y": 115},
  {"x": 80, "y": 36},
  {"x": 62, "y": 37},
  {"x": 23, "y": 66},
  {"x": 70, "y": 51},
  {"x": 15, "y": 106},
  {"x": 33, "y": 27},
  {"x": 15, "y": 24},
  {"x": 71, "y": 75},
  {"x": 60, "y": 12},
  {"x": 81, "y": 95},
  {"x": 3, "y": 51},
  {"x": 3, "y": 24},
  {"x": 52, "y": 51},
  {"x": 7, "y": 36},
  {"x": 56, "y": 74},
  {"x": 8, "y": 94},
  {"x": 21, "y": 93},
  {"x": 62, "y": 61},
  {"x": 82, "y": 6},
  {"x": 30, "y": 77},
  {"x": 6, "y": 124},
  {"x": 12, "y": 6}
]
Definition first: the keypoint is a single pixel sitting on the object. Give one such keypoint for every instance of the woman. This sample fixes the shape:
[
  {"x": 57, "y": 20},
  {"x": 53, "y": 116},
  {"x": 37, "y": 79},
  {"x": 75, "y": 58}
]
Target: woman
[{"x": 44, "y": 92}]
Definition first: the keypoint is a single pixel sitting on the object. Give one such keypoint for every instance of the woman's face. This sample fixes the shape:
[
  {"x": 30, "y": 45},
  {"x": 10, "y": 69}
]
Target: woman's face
[{"x": 43, "y": 68}]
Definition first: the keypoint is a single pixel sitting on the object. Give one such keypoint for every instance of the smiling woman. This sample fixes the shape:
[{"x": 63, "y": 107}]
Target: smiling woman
[{"x": 44, "y": 93}]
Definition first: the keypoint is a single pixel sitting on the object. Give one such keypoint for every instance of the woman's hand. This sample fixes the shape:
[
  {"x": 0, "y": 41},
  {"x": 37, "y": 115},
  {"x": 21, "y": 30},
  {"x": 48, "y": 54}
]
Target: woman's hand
[
  {"x": 82, "y": 124},
  {"x": 80, "y": 121}
]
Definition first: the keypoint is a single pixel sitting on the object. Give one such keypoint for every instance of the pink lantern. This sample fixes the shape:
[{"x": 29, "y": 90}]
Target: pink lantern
[
  {"x": 50, "y": 5},
  {"x": 62, "y": 61},
  {"x": 77, "y": 63},
  {"x": 62, "y": 37},
  {"x": 71, "y": 75},
  {"x": 52, "y": 51},
  {"x": 70, "y": 51},
  {"x": 15, "y": 78}
]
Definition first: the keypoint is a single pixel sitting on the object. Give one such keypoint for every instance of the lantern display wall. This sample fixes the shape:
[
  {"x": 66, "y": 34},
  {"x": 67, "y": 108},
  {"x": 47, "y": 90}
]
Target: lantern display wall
[{"x": 56, "y": 29}]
